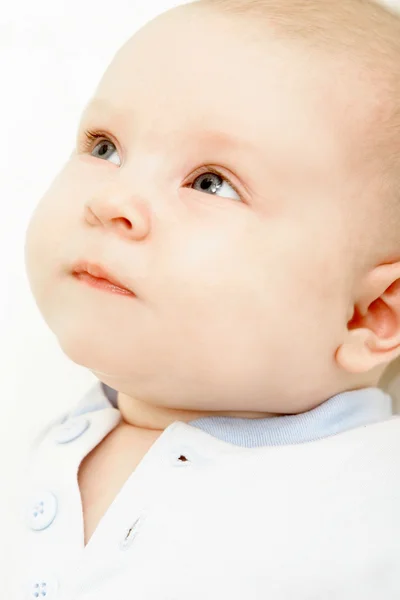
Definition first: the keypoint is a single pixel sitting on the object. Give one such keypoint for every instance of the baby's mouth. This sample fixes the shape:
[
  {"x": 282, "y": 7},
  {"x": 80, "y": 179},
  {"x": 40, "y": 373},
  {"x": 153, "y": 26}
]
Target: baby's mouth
[{"x": 98, "y": 277}]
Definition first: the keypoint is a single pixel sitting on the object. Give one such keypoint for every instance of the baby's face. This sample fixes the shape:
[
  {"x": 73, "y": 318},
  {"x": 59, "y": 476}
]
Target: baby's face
[{"x": 216, "y": 192}]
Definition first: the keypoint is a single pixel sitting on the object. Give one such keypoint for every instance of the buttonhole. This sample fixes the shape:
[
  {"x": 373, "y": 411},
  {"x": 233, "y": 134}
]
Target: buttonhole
[{"x": 131, "y": 529}]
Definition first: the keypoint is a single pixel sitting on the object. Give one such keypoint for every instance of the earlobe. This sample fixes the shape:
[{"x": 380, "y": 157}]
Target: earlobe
[
  {"x": 359, "y": 353},
  {"x": 373, "y": 334}
]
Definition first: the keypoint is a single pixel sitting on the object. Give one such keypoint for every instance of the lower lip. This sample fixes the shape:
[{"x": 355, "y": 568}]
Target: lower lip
[{"x": 102, "y": 284}]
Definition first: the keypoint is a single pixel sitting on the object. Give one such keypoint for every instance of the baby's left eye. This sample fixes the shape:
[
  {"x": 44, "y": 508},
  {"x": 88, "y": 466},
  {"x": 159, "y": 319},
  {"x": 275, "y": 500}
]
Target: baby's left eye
[{"x": 211, "y": 182}]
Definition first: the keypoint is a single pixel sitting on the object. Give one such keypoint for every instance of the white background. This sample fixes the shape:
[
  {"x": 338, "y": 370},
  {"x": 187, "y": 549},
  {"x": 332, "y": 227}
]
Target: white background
[{"x": 52, "y": 55}]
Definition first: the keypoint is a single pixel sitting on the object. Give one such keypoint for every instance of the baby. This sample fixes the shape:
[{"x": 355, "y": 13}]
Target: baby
[{"x": 222, "y": 251}]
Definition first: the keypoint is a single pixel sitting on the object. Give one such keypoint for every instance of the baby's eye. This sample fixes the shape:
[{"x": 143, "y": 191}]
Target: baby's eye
[
  {"x": 210, "y": 181},
  {"x": 103, "y": 152}
]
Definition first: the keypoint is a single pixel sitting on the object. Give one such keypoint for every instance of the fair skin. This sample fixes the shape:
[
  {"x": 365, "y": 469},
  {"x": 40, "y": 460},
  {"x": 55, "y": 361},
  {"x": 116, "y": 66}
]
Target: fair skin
[{"x": 246, "y": 305}]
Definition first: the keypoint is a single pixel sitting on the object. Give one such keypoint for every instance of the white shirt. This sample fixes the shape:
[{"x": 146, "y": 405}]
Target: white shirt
[{"x": 277, "y": 520}]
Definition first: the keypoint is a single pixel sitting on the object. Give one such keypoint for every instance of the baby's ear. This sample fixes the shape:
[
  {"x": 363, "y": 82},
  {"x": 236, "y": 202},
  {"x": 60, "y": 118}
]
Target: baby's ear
[{"x": 373, "y": 333}]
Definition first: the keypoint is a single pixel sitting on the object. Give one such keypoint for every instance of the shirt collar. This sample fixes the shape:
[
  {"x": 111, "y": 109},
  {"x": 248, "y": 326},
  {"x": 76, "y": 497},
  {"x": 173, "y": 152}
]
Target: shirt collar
[{"x": 344, "y": 411}]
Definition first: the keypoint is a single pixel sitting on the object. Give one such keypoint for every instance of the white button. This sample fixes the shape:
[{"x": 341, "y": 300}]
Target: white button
[
  {"x": 42, "y": 510},
  {"x": 44, "y": 586},
  {"x": 70, "y": 430}
]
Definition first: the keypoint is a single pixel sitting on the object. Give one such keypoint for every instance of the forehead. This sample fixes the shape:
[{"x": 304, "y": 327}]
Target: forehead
[
  {"x": 103, "y": 108},
  {"x": 212, "y": 76}
]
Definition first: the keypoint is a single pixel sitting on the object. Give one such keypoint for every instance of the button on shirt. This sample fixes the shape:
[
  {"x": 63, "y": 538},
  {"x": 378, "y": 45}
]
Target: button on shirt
[{"x": 299, "y": 506}]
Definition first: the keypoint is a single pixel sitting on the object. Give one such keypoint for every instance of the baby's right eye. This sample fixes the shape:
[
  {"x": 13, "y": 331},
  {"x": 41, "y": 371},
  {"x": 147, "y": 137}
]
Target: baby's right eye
[{"x": 91, "y": 137}]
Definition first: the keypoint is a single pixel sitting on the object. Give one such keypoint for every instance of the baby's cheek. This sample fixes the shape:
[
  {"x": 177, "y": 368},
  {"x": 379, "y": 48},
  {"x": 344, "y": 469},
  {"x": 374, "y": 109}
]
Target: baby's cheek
[{"x": 38, "y": 248}]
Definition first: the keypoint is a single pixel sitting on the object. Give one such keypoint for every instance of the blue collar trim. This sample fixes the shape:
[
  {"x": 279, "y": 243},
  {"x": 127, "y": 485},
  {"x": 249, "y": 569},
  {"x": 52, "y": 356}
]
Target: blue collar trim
[{"x": 347, "y": 410}]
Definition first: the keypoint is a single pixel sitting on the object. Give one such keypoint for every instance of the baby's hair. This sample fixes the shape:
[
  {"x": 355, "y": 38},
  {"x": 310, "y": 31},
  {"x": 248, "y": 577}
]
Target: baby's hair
[{"x": 367, "y": 35}]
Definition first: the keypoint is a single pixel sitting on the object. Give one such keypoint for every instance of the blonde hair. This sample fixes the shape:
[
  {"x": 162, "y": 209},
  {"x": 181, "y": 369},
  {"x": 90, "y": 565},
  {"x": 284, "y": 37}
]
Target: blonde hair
[{"x": 369, "y": 35}]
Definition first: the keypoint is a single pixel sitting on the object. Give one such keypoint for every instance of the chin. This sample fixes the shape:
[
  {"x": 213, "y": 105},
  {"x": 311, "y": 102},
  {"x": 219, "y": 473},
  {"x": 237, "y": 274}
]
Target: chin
[{"x": 89, "y": 353}]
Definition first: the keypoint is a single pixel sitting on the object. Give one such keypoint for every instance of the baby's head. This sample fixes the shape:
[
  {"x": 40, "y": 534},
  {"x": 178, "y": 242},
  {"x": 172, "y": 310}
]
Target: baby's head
[{"x": 244, "y": 183}]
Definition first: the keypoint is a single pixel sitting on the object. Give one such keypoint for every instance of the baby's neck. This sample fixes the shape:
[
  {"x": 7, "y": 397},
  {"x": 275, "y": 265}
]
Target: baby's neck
[{"x": 146, "y": 416}]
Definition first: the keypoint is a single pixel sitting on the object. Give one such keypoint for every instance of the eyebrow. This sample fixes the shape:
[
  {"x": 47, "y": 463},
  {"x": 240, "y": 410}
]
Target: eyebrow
[
  {"x": 98, "y": 105},
  {"x": 221, "y": 139}
]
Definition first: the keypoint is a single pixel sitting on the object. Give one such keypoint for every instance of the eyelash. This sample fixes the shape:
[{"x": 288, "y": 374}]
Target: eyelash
[{"x": 92, "y": 136}]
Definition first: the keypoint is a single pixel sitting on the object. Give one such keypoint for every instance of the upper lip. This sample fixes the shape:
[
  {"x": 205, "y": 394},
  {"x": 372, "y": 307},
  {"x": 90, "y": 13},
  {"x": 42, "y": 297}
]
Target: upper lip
[{"x": 98, "y": 271}]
